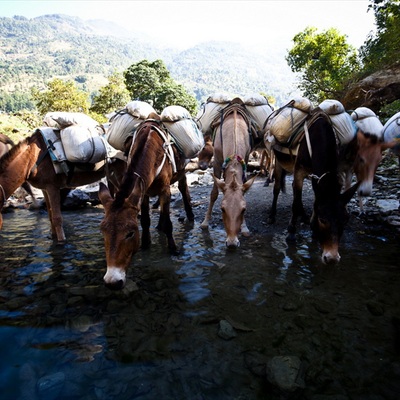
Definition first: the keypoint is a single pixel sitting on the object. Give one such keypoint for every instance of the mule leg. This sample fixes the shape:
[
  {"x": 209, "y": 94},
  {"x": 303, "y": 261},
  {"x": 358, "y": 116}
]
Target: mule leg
[
  {"x": 165, "y": 221},
  {"x": 53, "y": 204},
  {"x": 145, "y": 222},
  {"x": 279, "y": 177},
  {"x": 213, "y": 199},
  {"x": 184, "y": 189},
  {"x": 297, "y": 206}
]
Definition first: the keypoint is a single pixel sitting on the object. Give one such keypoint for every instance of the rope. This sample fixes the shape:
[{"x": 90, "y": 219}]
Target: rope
[{"x": 241, "y": 161}]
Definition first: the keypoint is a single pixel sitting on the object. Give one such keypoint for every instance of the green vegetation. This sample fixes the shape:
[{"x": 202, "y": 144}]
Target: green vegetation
[
  {"x": 328, "y": 64},
  {"x": 325, "y": 62},
  {"x": 151, "y": 82}
]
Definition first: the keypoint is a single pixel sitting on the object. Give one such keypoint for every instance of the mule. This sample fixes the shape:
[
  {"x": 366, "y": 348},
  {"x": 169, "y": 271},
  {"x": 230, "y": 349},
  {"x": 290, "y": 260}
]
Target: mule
[
  {"x": 30, "y": 161},
  {"x": 232, "y": 146},
  {"x": 206, "y": 154},
  {"x": 316, "y": 158},
  {"x": 154, "y": 163},
  {"x": 362, "y": 157}
]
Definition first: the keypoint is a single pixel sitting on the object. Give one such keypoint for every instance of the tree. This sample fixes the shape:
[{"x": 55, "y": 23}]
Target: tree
[
  {"x": 324, "y": 60},
  {"x": 151, "y": 82},
  {"x": 382, "y": 48},
  {"x": 60, "y": 96},
  {"x": 111, "y": 97}
]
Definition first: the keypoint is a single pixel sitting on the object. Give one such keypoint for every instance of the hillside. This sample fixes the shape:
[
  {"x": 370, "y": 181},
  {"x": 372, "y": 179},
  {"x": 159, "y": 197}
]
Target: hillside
[{"x": 34, "y": 51}]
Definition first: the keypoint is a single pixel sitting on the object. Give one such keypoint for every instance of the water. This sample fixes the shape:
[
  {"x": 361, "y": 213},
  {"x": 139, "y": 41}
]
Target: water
[{"x": 63, "y": 335}]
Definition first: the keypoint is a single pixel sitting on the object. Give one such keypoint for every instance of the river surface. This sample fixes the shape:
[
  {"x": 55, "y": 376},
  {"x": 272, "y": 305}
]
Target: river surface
[{"x": 201, "y": 325}]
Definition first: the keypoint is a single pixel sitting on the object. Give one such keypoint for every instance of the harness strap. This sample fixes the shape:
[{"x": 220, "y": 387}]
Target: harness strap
[
  {"x": 241, "y": 161},
  {"x": 318, "y": 178},
  {"x": 39, "y": 160},
  {"x": 168, "y": 151},
  {"x": 307, "y": 135}
]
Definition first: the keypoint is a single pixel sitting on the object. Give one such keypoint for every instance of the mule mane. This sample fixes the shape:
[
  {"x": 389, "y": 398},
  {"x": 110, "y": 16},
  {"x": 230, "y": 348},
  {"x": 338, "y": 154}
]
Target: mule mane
[
  {"x": 143, "y": 153},
  {"x": 11, "y": 154}
]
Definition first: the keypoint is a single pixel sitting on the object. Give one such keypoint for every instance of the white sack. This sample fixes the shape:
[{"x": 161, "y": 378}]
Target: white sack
[
  {"x": 174, "y": 113},
  {"x": 259, "y": 114},
  {"x": 83, "y": 145},
  {"x": 139, "y": 109},
  {"x": 391, "y": 131},
  {"x": 255, "y": 100},
  {"x": 367, "y": 121},
  {"x": 332, "y": 107},
  {"x": 344, "y": 127},
  {"x": 65, "y": 119},
  {"x": 122, "y": 126},
  {"x": 283, "y": 123},
  {"x": 188, "y": 138},
  {"x": 342, "y": 123}
]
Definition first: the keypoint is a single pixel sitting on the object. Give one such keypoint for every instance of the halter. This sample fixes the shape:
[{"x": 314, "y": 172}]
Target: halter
[{"x": 240, "y": 160}]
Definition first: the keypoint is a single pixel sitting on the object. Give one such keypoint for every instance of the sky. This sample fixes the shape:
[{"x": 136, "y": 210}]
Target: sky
[{"x": 184, "y": 23}]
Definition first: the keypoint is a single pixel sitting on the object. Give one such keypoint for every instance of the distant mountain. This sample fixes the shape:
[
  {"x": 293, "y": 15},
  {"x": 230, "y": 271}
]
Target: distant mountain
[{"x": 34, "y": 51}]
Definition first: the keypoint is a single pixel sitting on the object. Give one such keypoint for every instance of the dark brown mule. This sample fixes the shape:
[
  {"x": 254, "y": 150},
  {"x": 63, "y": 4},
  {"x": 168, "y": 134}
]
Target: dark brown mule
[
  {"x": 206, "y": 154},
  {"x": 232, "y": 147},
  {"x": 30, "y": 161},
  {"x": 154, "y": 163},
  {"x": 318, "y": 161}
]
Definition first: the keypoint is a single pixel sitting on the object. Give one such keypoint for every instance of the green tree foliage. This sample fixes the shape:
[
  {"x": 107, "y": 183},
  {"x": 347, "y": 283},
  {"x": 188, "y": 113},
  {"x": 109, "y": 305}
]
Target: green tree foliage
[
  {"x": 383, "y": 48},
  {"x": 16, "y": 101},
  {"x": 60, "y": 96},
  {"x": 324, "y": 61},
  {"x": 151, "y": 82},
  {"x": 111, "y": 97}
]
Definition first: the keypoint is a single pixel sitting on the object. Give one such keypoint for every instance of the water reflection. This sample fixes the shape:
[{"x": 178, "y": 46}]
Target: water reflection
[{"x": 64, "y": 335}]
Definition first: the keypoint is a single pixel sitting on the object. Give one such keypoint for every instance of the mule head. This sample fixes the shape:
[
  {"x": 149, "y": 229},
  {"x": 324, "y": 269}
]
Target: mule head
[
  {"x": 233, "y": 206},
  {"x": 369, "y": 155},
  {"x": 206, "y": 154},
  {"x": 121, "y": 236},
  {"x": 328, "y": 221}
]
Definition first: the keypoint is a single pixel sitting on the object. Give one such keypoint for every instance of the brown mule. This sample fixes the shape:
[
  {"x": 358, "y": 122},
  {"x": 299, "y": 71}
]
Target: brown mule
[
  {"x": 154, "y": 163},
  {"x": 30, "y": 161},
  {"x": 232, "y": 147}
]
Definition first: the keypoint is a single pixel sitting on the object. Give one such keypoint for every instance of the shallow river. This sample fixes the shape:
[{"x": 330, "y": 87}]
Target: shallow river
[{"x": 202, "y": 325}]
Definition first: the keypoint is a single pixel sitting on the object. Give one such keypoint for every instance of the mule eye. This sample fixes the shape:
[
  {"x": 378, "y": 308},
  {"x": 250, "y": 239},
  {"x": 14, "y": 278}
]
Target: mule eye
[
  {"x": 323, "y": 221},
  {"x": 130, "y": 235}
]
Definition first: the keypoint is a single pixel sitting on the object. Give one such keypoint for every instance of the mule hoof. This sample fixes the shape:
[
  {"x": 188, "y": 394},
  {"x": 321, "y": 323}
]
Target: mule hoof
[{"x": 204, "y": 227}]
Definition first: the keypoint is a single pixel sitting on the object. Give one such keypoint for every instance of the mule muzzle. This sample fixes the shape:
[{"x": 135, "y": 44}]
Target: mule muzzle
[
  {"x": 115, "y": 278},
  {"x": 365, "y": 189},
  {"x": 232, "y": 243},
  {"x": 330, "y": 257}
]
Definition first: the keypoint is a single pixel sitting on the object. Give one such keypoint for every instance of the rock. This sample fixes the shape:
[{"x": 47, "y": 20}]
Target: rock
[
  {"x": 226, "y": 330},
  {"x": 286, "y": 373},
  {"x": 50, "y": 386},
  {"x": 386, "y": 206}
]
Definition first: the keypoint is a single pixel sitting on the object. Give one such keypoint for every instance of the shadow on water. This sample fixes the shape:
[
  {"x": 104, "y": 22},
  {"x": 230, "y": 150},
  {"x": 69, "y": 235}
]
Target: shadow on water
[{"x": 64, "y": 335}]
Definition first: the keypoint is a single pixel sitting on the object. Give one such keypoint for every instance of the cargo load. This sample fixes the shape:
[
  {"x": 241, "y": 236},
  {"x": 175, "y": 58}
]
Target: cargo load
[
  {"x": 367, "y": 121},
  {"x": 123, "y": 123},
  {"x": 258, "y": 109},
  {"x": 286, "y": 122},
  {"x": 186, "y": 134},
  {"x": 343, "y": 125},
  {"x": 210, "y": 111},
  {"x": 83, "y": 145},
  {"x": 391, "y": 131},
  {"x": 63, "y": 119}
]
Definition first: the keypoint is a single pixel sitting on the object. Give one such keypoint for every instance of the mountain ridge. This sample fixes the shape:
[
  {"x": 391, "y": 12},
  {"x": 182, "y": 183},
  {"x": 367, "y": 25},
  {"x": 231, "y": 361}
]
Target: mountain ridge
[{"x": 34, "y": 51}]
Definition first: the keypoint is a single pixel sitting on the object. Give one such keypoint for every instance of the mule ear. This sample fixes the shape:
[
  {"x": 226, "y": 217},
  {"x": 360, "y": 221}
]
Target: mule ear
[
  {"x": 104, "y": 195},
  {"x": 346, "y": 196},
  {"x": 220, "y": 183},
  {"x": 390, "y": 145},
  {"x": 247, "y": 185}
]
